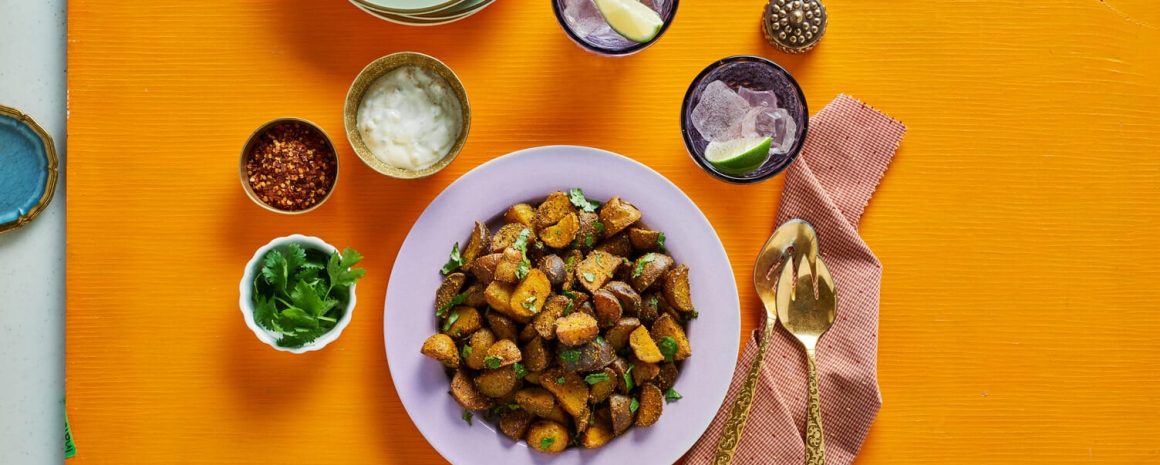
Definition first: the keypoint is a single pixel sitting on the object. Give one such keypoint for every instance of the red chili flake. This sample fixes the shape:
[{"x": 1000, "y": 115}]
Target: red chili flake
[{"x": 291, "y": 167}]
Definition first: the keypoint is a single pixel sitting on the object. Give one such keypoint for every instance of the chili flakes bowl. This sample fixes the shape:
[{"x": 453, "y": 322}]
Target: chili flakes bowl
[{"x": 289, "y": 166}]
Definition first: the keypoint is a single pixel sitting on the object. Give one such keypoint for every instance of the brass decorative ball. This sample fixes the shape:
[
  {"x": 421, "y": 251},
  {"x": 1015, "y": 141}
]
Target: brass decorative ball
[{"x": 794, "y": 26}]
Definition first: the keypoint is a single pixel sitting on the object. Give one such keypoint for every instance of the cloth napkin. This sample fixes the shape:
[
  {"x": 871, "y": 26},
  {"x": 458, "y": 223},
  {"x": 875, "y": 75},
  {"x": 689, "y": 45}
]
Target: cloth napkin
[{"x": 845, "y": 155}]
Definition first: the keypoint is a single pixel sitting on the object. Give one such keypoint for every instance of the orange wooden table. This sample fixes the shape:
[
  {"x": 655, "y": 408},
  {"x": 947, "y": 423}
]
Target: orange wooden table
[{"x": 1018, "y": 224}]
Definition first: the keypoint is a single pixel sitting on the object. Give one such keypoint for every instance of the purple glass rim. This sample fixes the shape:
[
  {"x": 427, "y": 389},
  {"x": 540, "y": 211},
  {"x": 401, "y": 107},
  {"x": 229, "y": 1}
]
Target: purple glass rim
[
  {"x": 699, "y": 158},
  {"x": 559, "y": 12}
]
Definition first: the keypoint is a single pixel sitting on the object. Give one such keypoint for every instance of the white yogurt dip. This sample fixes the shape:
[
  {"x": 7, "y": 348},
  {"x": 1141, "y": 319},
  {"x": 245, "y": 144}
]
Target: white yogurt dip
[{"x": 410, "y": 118}]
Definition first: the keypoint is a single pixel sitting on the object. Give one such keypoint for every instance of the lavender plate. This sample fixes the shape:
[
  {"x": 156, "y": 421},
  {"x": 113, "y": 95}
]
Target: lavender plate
[{"x": 485, "y": 193}]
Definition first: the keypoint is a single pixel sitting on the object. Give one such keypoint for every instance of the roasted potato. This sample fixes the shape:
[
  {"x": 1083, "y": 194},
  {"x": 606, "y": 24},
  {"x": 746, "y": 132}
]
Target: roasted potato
[
  {"x": 440, "y": 347},
  {"x": 478, "y": 243},
  {"x": 530, "y": 327},
  {"x": 617, "y": 215},
  {"x": 537, "y": 401},
  {"x": 465, "y": 393},
  {"x": 648, "y": 268},
  {"x": 520, "y": 213},
  {"x": 643, "y": 346},
  {"x": 596, "y": 269},
  {"x": 497, "y": 383},
  {"x": 666, "y": 326},
  {"x": 514, "y": 424},
  {"x": 576, "y": 329},
  {"x": 554, "y": 208},
  {"x": 548, "y": 436},
  {"x": 504, "y": 350},
  {"x": 554, "y": 268},
  {"x": 561, "y": 234},
  {"x": 652, "y": 404},
  {"x": 464, "y": 321},
  {"x": 622, "y": 414},
  {"x": 675, "y": 288}
]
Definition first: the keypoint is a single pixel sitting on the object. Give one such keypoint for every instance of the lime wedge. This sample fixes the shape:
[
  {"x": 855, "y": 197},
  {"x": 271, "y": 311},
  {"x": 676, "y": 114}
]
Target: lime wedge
[
  {"x": 738, "y": 156},
  {"x": 631, "y": 19}
]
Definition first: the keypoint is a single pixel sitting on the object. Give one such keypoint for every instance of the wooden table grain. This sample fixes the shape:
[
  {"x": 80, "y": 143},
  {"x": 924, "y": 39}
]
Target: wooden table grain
[{"x": 1018, "y": 224}]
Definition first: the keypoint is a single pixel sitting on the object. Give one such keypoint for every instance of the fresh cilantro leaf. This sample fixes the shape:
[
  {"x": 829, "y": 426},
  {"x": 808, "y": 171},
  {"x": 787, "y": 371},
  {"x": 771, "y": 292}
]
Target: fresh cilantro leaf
[
  {"x": 569, "y": 294},
  {"x": 672, "y": 395},
  {"x": 306, "y": 297},
  {"x": 661, "y": 241},
  {"x": 588, "y": 240},
  {"x": 634, "y": 405},
  {"x": 652, "y": 302},
  {"x": 492, "y": 362},
  {"x": 628, "y": 383},
  {"x": 458, "y": 299},
  {"x": 596, "y": 378},
  {"x": 600, "y": 339},
  {"x": 588, "y": 276},
  {"x": 466, "y": 352},
  {"x": 524, "y": 267},
  {"x": 340, "y": 271},
  {"x": 297, "y": 301},
  {"x": 451, "y": 319},
  {"x": 547, "y": 442},
  {"x": 568, "y": 308},
  {"x": 570, "y": 355},
  {"x": 264, "y": 310},
  {"x": 641, "y": 262},
  {"x": 686, "y": 317},
  {"x": 580, "y": 201},
  {"x": 599, "y": 226},
  {"x": 467, "y": 416},
  {"x": 521, "y": 242},
  {"x": 561, "y": 380},
  {"x": 276, "y": 271},
  {"x": 455, "y": 261},
  {"x": 571, "y": 263},
  {"x": 521, "y": 372},
  {"x": 668, "y": 347}
]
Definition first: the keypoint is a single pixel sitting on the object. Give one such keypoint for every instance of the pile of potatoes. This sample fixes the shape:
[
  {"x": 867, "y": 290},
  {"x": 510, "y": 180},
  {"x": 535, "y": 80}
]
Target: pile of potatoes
[{"x": 566, "y": 324}]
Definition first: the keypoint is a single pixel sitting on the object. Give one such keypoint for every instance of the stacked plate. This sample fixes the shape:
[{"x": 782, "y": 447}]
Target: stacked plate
[{"x": 422, "y": 12}]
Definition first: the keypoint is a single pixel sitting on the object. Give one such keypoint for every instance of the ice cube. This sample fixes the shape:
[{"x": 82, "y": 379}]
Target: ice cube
[
  {"x": 776, "y": 123},
  {"x": 583, "y": 17},
  {"x": 757, "y": 98},
  {"x": 718, "y": 115}
]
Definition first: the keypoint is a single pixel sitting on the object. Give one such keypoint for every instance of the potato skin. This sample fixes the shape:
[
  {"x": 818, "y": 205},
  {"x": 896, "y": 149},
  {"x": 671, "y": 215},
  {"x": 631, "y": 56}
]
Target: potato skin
[
  {"x": 617, "y": 336},
  {"x": 536, "y": 401},
  {"x": 644, "y": 239},
  {"x": 468, "y": 322},
  {"x": 440, "y": 347},
  {"x": 652, "y": 404},
  {"x": 599, "y": 392},
  {"x": 607, "y": 306},
  {"x": 627, "y": 296},
  {"x": 507, "y": 235},
  {"x": 529, "y": 296},
  {"x": 506, "y": 351},
  {"x": 561, "y": 234},
  {"x": 651, "y": 269},
  {"x": 667, "y": 377},
  {"x": 644, "y": 347},
  {"x": 675, "y": 288},
  {"x": 497, "y": 383},
  {"x": 596, "y": 269},
  {"x": 480, "y": 341},
  {"x": 572, "y": 394},
  {"x": 588, "y": 357},
  {"x": 508, "y": 266},
  {"x": 576, "y": 329},
  {"x": 545, "y": 321},
  {"x": 666, "y": 326},
  {"x": 502, "y": 326},
  {"x": 514, "y": 424},
  {"x": 548, "y": 436},
  {"x": 450, "y": 287},
  {"x": 616, "y": 214},
  {"x": 618, "y": 245},
  {"x": 622, "y": 415},
  {"x": 597, "y": 435},
  {"x": 465, "y": 393},
  {"x": 553, "y": 209},
  {"x": 483, "y": 268},
  {"x": 536, "y": 356},
  {"x": 554, "y": 268},
  {"x": 520, "y": 213},
  {"x": 478, "y": 243}
]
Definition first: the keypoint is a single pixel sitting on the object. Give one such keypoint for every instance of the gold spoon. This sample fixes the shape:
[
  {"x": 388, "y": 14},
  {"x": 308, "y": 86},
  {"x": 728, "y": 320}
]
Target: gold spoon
[
  {"x": 806, "y": 307},
  {"x": 794, "y": 239}
]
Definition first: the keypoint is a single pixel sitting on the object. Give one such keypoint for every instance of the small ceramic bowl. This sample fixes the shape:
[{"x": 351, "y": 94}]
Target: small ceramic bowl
[
  {"x": 249, "y": 147},
  {"x": 377, "y": 69},
  {"x": 246, "y": 295}
]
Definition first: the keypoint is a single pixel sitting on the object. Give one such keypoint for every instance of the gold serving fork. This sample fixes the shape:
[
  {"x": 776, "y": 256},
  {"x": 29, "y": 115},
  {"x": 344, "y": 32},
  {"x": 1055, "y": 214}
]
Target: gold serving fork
[
  {"x": 806, "y": 306},
  {"x": 790, "y": 243}
]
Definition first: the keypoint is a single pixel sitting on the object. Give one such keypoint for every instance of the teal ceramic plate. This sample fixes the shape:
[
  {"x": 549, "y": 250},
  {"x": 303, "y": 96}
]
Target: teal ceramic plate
[{"x": 29, "y": 172}]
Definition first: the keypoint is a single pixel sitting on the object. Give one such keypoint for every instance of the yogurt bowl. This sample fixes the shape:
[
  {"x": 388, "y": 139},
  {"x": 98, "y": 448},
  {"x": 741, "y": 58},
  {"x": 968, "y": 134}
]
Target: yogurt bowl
[{"x": 407, "y": 115}]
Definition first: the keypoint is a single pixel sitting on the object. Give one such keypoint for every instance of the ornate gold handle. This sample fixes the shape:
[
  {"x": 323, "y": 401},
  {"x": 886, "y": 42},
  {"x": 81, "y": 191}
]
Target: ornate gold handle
[
  {"x": 739, "y": 414},
  {"x": 815, "y": 441}
]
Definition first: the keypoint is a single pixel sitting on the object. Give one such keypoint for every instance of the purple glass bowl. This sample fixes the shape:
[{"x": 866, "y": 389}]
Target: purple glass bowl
[
  {"x": 757, "y": 74},
  {"x": 622, "y": 47},
  {"x": 486, "y": 192}
]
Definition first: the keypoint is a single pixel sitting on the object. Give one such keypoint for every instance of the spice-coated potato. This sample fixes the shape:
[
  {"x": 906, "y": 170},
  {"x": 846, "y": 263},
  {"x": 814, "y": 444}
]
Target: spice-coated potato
[
  {"x": 642, "y": 371},
  {"x": 588, "y": 357},
  {"x": 466, "y": 321},
  {"x": 652, "y": 305},
  {"x": 507, "y": 234},
  {"x": 617, "y": 215},
  {"x": 596, "y": 269},
  {"x": 502, "y": 326},
  {"x": 576, "y": 329},
  {"x": 597, "y": 435},
  {"x": 644, "y": 239},
  {"x": 508, "y": 267},
  {"x": 569, "y": 388},
  {"x": 520, "y": 213},
  {"x": 479, "y": 343},
  {"x": 440, "y": 347},
  {"x": 652, "y": 404},
  {"x": 554, "y": 208},
  {"x": 536, "y": 356},
  {"x": 591, "y": 230},
  {"x": 536, "y": 401},
  {"x": 667, "y": 326},
  {"x": 554, "y": 268},
  {"x": 548, "y": 436},
  {"x": 497, "y": 383},
  {"x": 545, "y": 321},
  {"x": 600, "y": 391},
  {"x": 618, "y": 245},
  {"x": 530, "y": 295},
  {"x": 483, "y": 268},
  {"x": 561, "y": 234},
  {"x": 465, "y": 393},
  {"x": 478, "y": 243},
  {"x": 667, "y": 377},
  {"x": 514, "y": 424},
  {"x": 643, "y": 346},
  {"x": 620, "y": 366},
  {"x": 675, "y": 286},
  {"x": 628, "y": 297},
  {"x": 557, "y": 414},
  {"x": 505, "y": 351},
  {"x": 617, "y": 335},
  {"x": 571, "y": 260},
  {"x": 499, "y": 296},
  {"x": 474, "y": 295},
  {"x": 622, "y": 414},
  {"x": 607, "y": 306},
  {"x": 450, "y": 288},
  {"x": 648, "y": 268}
]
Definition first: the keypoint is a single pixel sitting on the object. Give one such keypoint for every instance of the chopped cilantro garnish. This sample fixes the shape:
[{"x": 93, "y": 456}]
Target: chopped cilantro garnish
[
  {"x": 628, "y": 378},
  {"x": 634, "y": 405},
  {"x": 596, "y": 378},
  {"x": 454, "y": 261},
  {"x": 570, "y": 355},
  {"x": 600, "y": 339},
  {"x": 588, "y": 240},
  {"x": 580, "y": 201},
  {"x": 561, "y": 380},
  {"x": 467, "y": 416},
  {"x": 458, "y": 299},
  {"x": 466, "y": 352},
  {"x": 588, "y": 276},
  {"x": 529, "y": 303},
  {"x": 547, "y": 442},
  {"x": 451, "y": 319},
  {"x": 521, "y": 244},
  {"x": 599, "y": 226},
  {"x": 492, "y": 362},
  {"x": 668, "y": 347},
  {"x": 672, "y": 395},
  {"x": 641, "y": 262},
  {"x": 521, "y": 372},
  {"x": 661, "y": 241}
]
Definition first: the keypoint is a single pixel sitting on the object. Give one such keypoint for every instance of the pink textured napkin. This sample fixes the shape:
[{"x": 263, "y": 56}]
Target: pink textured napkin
[{"x": 846, "y": 153}]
